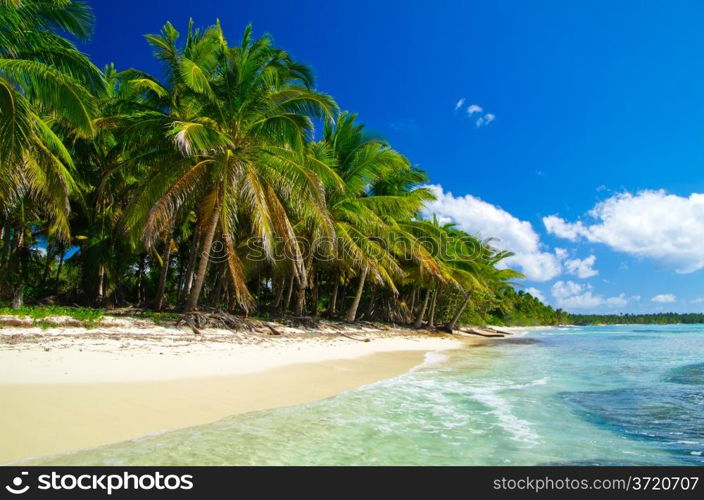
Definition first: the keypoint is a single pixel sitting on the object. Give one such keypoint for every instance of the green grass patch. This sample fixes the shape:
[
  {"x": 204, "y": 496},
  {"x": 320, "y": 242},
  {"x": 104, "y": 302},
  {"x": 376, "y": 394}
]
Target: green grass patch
[
  {"x": 88, "y": 316},
  {"x": 159, "y": 318}
]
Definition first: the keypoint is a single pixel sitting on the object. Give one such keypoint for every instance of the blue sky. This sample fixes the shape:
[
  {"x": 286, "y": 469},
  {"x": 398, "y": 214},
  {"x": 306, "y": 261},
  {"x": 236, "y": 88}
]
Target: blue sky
[{"x": 598, "y": 121}]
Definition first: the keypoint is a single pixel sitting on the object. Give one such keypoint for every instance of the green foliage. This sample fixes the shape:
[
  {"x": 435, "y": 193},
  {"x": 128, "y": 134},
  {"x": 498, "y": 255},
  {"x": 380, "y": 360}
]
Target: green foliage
[
  {"x": 636, "y": 319},
  {"x": 89, "y": 316},
  {"x": 159, "y": 318},
  {"x": 518, "y": 308},
  {"x": 210, "y": 189}
]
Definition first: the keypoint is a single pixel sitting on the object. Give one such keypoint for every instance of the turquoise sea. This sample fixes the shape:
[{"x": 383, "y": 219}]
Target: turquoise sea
[{"x": 577, "y": 395}]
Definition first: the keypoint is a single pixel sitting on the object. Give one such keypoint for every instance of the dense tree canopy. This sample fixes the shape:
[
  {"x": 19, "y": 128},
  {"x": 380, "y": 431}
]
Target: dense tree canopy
[{"x": 208, "y": 187}]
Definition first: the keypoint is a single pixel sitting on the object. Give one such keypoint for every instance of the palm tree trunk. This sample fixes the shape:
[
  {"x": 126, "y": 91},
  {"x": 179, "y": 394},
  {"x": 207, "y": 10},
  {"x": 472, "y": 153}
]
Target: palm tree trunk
[
  {"x": 372, "y": 303},
  {"x": 165, "y": 260},
  {"x": 47, "y": 263},
  {"x": 19, "y": 266},
  {"x": 421, "y": 313},
  {"x": 7, "y": 243},
  {"x": 188, "y": 280},
  {"x": 314, "y": 295},
  {"x": 413, "y": 301},
  {"x": 140, "y": 278},
  {"x": 279, "y": 295},
  {"x": 62, "y": 252},
  {"x": 300, "y": 300},
  {"x": 101, "y": 281},
  {"x": 352, "y": 312},
  {"x": 333, "y": 300},
  {"x": 303, "y": 285},
  {"x": 289, "y": 294},
  {"x": 451, "y": 325},
  {"x": 217, "y": 293},
  {"x": 431, "y": 320},
  {"x": 204, "y": 258},
  {"x": 18, "y": 296}
]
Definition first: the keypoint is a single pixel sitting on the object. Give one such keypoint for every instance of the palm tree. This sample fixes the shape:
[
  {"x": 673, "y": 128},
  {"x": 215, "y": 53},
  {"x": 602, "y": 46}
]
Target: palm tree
[
  {"x": 215, "y": 174},
  {"x": 240, "y": 116},
  {"x": 362, "y": 220},
  {"x": 473, "y": 264},
  {"x": 45, "y": 91}
]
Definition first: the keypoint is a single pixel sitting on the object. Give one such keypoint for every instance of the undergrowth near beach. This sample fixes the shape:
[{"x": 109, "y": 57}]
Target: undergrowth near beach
[{"x": 90, "y": 317}]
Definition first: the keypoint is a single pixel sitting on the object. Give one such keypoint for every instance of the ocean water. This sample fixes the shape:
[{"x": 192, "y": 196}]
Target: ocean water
[{"x": 608, "y": 395}]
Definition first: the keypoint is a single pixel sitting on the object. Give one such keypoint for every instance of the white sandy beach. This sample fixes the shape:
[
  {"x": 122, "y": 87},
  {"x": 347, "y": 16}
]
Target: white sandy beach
[{"x": 68, "y": 388}]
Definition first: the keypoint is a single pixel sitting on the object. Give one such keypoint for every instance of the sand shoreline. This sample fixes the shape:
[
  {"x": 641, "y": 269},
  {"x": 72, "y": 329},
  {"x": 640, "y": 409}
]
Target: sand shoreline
[{"x": 66, "y": 389}]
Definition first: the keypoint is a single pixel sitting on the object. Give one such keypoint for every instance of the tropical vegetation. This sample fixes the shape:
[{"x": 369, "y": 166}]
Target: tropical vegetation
[
  {"x": 228, "y": 182},
  {"x": 665, "y": 318}
]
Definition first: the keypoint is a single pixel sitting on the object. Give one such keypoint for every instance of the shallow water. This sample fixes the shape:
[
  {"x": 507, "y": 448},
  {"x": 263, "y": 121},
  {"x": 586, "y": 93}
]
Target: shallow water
[{"x": 581, "y": 395}]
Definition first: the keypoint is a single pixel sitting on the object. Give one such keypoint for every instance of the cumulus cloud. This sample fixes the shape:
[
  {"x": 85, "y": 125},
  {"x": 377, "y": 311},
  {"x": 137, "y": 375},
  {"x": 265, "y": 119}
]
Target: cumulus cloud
[
  {"x": 619, "y": 300},
  {"x": 582, "y": 268},
  {"x": 567, "y": 230},
  {"x": 663, "y": 227},
  {"x": 536, "y": 293},
  {"x": 664, "y": 298},
  {"x": 478, "y": 217},
  {"x": 570, "y": 295},
  {"x": 474, "y": 108},
  {"x": 460, "y": 103}
]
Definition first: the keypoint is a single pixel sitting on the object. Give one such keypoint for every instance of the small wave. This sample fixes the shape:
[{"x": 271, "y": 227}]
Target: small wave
[
  {"x": 521, "y": 430},
  {"x": 431, "y": 358}
]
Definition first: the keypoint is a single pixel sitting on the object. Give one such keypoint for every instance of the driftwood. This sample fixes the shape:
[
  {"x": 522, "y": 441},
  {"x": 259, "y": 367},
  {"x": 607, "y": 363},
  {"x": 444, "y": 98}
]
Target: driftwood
[
  {"x": 473, "y": 331},
  {"x": 353, "y": 338},
  {"x": 272, "y": 330},
  {"x": 300, "y": 322},
  {"x": 215, "y": 319}
]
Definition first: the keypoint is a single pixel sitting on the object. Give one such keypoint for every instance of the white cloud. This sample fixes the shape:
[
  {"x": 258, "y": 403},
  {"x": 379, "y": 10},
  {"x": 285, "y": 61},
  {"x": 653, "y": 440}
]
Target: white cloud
[
  {"x": 564, "y": 289},
  {"x": 664, "y": 298},
  {"x": 699, "y": 300},
  {"x": 570, "y": 295},
  {"x": 567, "y": 230},
  {"x": 618, "y": 301},
  {"x": 666, "y": 228},
  {"x": 485, "y": 120},
  {"x": 476, "y": 113},
  {"x": 536, "y": 293},
  {"x": 486, "y": 220},
  {"x": 581, "y": 268}
]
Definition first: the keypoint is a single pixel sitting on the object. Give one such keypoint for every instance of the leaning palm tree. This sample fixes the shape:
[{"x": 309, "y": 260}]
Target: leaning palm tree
[
  {"x": 365, "y": 214},
  {"x": 475, "y": 266},
  {"x": 240, "y": 116}
]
